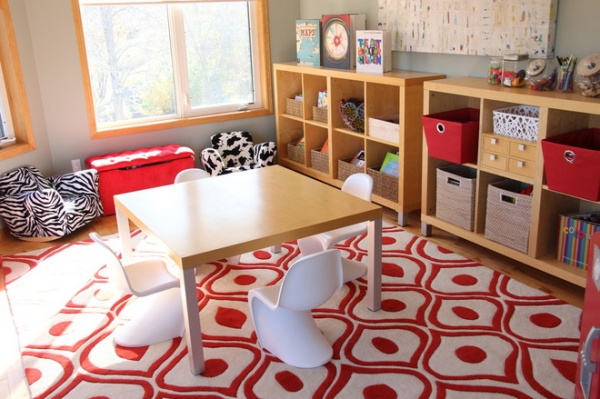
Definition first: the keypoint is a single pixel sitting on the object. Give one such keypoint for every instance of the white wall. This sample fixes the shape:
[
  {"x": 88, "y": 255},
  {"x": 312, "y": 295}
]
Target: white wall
[
  {"x": 49, "y": 56},
  {"x": 578, "y": 31}
]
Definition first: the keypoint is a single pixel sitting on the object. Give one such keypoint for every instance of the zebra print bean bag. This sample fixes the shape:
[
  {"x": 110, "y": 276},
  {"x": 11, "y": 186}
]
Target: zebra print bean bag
[
  {"x": 235, "y": 152},
  {"x": 36, "y": 208}
]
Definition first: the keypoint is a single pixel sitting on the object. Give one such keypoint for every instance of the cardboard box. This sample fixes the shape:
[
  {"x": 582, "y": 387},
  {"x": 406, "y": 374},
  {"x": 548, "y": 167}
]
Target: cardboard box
[
  {"x": 574, "y": 238},
  {"x": 385, "y": 127}
]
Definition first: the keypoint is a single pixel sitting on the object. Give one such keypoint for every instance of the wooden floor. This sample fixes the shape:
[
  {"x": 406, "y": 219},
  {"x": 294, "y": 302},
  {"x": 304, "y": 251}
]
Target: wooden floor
[{"x": 525, "y": 274}]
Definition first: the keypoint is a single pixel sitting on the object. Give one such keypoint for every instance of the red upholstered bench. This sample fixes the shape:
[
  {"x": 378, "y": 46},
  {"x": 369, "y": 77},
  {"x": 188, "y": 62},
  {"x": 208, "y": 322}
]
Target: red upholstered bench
[{"x": 139, "y": 169}]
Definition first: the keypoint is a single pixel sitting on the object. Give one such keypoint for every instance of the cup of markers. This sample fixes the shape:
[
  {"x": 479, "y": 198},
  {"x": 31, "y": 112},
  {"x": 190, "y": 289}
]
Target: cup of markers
[{"x": 565, "y": 73}]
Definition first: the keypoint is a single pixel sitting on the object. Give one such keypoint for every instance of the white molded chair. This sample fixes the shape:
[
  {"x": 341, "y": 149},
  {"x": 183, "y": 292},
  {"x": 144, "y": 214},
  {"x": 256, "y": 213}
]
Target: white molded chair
[
  {"x": 157, "y": 311},
  {"x": 360, "y": 185},
  {"x": 191, "y": 174},
  {"x": 282, "y": 313}
]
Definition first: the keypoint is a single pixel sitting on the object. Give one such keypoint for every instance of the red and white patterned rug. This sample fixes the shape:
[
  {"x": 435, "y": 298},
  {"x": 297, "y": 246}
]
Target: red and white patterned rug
[{"x": 449, "y": 328}]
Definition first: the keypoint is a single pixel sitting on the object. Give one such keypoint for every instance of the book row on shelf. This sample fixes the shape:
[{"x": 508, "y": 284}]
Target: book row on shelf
[{"x": 341, "y": 41}]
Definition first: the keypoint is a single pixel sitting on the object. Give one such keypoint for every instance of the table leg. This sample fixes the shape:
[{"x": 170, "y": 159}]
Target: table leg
[
  {"x": 124, "y": 234},
  {"x": 193, "y": 330},
  {"x": 374, "y": 265}
]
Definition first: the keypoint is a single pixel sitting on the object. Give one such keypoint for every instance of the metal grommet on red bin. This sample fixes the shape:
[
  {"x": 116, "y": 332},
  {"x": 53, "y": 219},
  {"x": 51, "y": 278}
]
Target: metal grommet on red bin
[
  {"x": 569, "y": 156},
  {"x": 440, "y": 127}
]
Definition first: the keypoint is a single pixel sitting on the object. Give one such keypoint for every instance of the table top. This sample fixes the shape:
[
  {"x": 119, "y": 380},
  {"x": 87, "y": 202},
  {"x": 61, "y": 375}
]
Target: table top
[{"x": 217, "y": 217}]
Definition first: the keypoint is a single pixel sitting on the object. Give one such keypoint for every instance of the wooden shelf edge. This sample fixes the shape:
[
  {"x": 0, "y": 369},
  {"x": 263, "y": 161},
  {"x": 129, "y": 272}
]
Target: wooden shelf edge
[{"x": 548, "y": 265}]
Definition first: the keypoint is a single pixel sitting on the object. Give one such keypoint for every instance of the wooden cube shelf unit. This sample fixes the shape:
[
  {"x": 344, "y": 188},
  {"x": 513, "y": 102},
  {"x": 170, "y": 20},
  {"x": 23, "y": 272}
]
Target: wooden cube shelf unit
[
  {"x": 501, "y": 157},
  {"x": 391, "y": 93}
]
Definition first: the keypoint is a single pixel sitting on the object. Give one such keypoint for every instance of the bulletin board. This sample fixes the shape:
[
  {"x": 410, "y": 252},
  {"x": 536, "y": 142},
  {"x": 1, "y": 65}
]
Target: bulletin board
[{"x": 471, "y": 27}]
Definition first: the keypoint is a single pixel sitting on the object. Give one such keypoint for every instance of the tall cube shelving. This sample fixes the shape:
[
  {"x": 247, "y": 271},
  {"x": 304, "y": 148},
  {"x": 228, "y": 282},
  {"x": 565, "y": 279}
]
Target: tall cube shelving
[
  {"x": 501, "y": 157},
  {"x": 394, "y": 92}
]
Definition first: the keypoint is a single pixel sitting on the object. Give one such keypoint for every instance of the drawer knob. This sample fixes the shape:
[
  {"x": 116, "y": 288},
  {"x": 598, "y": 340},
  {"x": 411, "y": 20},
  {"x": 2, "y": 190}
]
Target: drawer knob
[
  {"x": 521, "y": 147},
  {"x": 520, "y": 164},
  {"x": 492, "y": 157},
  {"x": 494, "y": 141}
]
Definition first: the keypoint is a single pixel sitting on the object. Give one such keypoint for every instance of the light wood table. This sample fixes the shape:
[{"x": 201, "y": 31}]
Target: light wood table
[{"x": 214, "y": 218}]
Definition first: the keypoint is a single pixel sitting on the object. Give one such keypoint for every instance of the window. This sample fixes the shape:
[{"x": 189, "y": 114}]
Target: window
[
  {"x": 16, "y": 134},
  {"x": 6, "y": 128},
  {"x": 154, "y": 64}
]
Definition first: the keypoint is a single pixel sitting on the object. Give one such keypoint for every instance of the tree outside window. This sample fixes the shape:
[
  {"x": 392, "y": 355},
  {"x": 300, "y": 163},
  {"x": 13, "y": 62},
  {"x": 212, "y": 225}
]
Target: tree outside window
[{"x": 152, "y": 64}]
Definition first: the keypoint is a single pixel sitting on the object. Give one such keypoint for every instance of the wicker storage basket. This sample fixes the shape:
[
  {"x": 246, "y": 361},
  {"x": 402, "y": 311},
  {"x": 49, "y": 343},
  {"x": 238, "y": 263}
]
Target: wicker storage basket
[
  {"x": 319, "y": 160},
  {"x": 455, "y": 195},
  {"x": 295, "y": 153},
  {"x": 320, "y": 114},
  {"x": 508, "y": 214},
  {"x": 294, "y": 107},
  {"x": 520, "y": 122},
  {"x": 384, "y": 185},
  {"x": 345, "y": 169}
]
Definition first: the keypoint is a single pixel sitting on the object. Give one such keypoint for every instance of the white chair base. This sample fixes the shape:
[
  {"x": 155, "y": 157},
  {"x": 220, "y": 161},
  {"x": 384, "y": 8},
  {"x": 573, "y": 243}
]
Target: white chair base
[
  {"x": 351, "y": 269},
  {"x": 155, "y": 318},
  {"x": 291, "y": 336}
]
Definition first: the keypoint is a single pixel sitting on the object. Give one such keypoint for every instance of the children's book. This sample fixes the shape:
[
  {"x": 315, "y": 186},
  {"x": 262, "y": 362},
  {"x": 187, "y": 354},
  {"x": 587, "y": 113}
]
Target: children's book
[
  {"x": 373, "y": 51},
  {"x": 390, "y": 164},
  {"x": 308, "y": 42},
  {"x": 322, "y": 99},
  {"x": 359, "y": 158},
  {"x": 325, "y": 147}
]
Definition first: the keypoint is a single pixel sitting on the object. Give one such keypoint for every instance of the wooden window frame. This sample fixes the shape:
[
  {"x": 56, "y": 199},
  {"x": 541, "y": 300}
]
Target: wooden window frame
[
  {"x": 264, "y": 63},
  {"x": 13, "y": 80}
]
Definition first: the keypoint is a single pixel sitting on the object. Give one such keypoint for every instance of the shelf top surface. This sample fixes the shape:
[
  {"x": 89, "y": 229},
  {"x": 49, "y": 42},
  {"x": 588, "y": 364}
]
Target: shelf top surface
[
  {"x": 479, "y": 87},
  {"x": 403, "y": 77}
]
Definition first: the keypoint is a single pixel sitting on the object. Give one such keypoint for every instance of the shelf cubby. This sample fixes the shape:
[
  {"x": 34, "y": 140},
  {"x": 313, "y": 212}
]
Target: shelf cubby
[
  {"x": 558, "y": 113},
  {"x": 390, "y": 93}
]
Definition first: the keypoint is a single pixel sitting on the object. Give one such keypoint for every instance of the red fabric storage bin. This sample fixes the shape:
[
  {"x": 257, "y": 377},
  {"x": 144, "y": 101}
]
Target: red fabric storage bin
[
  {"x": 453, "y": 135},
  {"x": 572, "y": 163},
  {"x": 128, "y": 171}
]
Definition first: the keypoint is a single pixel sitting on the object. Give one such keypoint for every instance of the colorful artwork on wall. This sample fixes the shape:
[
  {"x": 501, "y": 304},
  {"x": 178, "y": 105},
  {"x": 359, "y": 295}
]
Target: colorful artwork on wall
[{"x": 484, "y": 27}]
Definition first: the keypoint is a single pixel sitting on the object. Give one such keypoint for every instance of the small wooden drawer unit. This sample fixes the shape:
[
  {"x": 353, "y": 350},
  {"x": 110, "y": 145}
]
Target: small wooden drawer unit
[
  {"x": 508, "y": 154},
  {"x": 496, "y": 144}
]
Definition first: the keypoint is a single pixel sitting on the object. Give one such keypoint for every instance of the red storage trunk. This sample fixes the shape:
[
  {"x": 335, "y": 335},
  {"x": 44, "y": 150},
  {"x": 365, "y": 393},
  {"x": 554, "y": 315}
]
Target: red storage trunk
[
  {"x": 453, "y": 136},
  {"x": 572, "y": 163},
  {"x": 128, "y": 171}
]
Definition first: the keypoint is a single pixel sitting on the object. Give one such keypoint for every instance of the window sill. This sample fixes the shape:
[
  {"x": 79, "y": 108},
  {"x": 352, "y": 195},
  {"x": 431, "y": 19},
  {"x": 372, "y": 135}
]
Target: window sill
[
  {"x": 177, "y": 123},
  {"x": 12, "y": 150}
]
